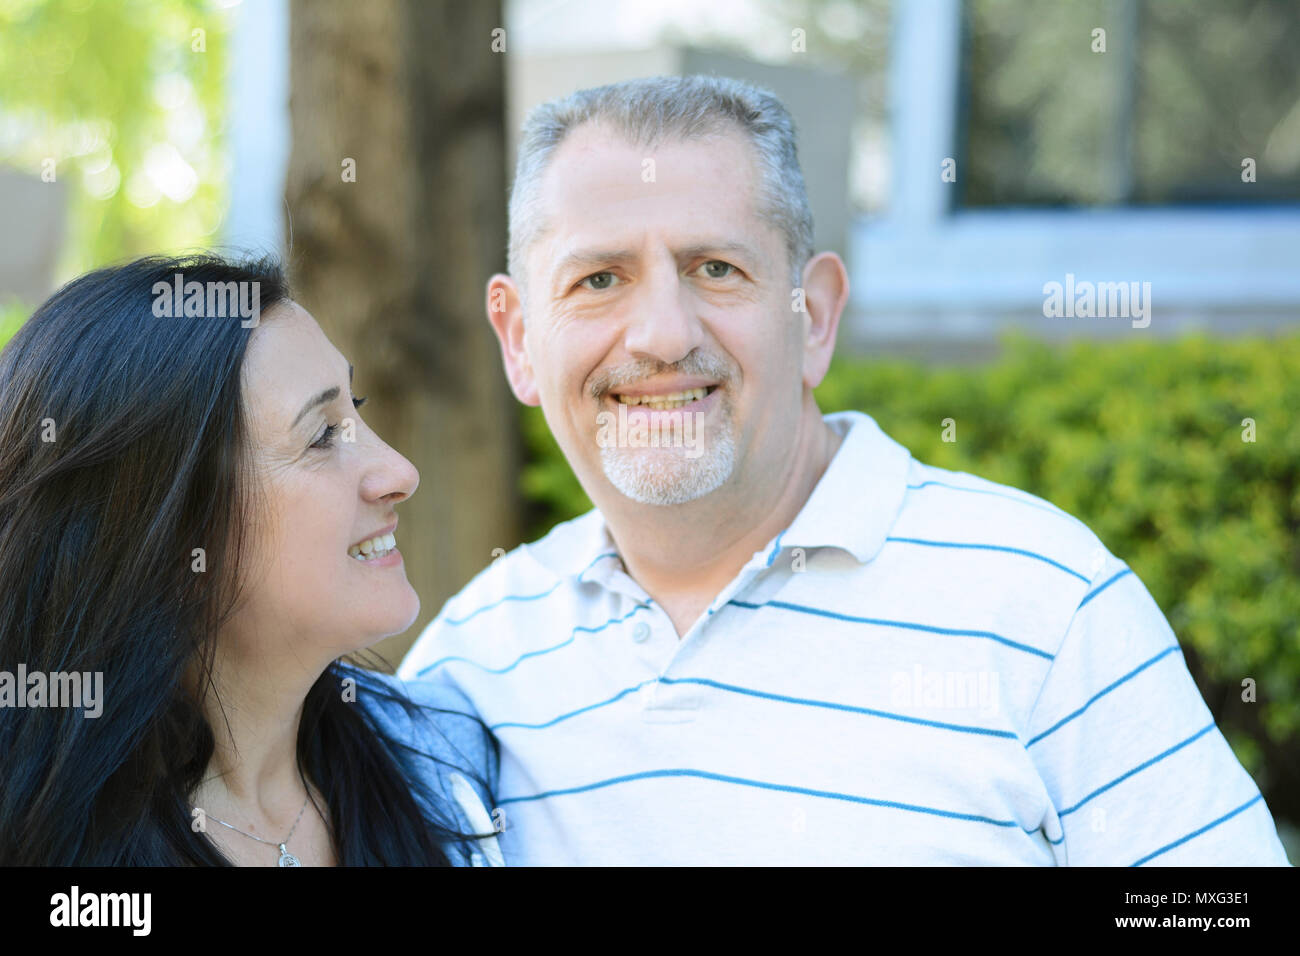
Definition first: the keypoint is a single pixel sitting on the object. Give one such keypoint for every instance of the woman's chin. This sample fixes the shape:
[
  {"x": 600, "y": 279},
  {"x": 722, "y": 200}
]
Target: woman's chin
[
  {"x": 378, "y": 619},
  {"x": 395, "y": 616},
  {"x": 385, "y": 601}
]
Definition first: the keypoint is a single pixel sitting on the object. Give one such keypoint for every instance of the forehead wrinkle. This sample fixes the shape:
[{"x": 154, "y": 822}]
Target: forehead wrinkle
[
  {"x": 538, "y": 220},
  {"x": 585, "y": 258}
]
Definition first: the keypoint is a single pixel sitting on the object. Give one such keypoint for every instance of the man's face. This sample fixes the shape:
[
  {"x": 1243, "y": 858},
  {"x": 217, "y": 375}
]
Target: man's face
[{"x": 658, "y": 299}]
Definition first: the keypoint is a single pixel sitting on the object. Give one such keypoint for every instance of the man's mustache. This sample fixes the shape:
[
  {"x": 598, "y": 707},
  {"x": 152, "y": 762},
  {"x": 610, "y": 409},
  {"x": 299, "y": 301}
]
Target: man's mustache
[{"x": 707, "y": 366}]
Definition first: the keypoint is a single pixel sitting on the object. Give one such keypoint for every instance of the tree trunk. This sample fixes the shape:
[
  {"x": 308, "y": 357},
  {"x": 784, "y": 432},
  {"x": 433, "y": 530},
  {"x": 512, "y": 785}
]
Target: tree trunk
[{"x": 394, "y": 264}]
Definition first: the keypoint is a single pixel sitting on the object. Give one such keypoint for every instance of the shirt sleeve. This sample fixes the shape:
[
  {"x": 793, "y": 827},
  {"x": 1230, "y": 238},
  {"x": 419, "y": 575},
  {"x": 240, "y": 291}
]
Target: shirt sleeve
[
  {"x": 1136, "y": 768},
  {"x": 446, "y": 750},
  {"x": 460, "y": 736},
  {"x": 487, "y": 851}
]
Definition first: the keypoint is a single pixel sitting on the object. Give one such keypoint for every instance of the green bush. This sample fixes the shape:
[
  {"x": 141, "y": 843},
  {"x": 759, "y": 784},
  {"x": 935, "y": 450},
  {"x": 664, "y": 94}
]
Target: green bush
[
  {"x": 1143, "y": 442},
  {"x": 12, "y": 315}
]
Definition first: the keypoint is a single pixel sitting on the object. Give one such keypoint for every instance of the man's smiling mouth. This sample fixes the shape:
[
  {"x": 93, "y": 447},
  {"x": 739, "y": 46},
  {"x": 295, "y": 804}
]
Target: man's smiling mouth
[{"x": 665, "y": 401}]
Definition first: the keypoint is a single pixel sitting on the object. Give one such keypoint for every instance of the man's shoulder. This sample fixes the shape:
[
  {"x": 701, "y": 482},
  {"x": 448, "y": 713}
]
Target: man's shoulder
[
  {"x": 516, "y": 582},
  {"x": 956, "y": 507},
  {"x": 912, "y": 503},
  {"x": 534, "y": 566},
  {"x": 431, "y": 717},
  {"x": 437, "y": 736},
  {"x": 393, "y": 703}
]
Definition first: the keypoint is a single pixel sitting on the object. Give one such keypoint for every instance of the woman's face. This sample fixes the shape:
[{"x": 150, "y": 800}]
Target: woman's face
[{"x": 327, "y": 485}]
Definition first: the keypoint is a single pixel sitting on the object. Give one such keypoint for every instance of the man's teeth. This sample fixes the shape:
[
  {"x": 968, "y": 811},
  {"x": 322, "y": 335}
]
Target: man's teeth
[
  {"x": 373, "y": 547},
  {"x": 663, "y": 402}
]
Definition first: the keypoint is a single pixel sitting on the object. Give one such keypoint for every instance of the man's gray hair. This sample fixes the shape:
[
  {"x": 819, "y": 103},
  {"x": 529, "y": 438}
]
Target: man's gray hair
[{"x": 647, "y": 112}]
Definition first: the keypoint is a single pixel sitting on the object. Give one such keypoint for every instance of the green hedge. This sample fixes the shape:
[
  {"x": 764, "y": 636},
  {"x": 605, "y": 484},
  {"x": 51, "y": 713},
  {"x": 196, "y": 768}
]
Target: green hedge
[
  {"x": 1143, "y": 442},
  {"x": 12, "y": 315}
]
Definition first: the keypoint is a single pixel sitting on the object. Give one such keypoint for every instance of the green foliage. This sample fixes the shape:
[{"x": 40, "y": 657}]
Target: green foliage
[
  {"x": 1143, "y": 442},
  {"x": 131, "y": 114},
  {"x": 12, "y": 315},
  {"x": 547, "y": 482}
]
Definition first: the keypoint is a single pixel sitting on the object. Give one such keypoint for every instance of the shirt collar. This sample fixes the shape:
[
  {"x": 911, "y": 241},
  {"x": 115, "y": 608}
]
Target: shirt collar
[
  {"x": 853, "y": 506},
  {"x": 859, "y": 496},
  {"x": 574, "y": 546}
]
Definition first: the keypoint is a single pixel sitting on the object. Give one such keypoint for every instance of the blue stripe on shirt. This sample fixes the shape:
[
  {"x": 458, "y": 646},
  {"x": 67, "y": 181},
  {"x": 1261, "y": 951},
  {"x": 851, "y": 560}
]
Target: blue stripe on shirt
[
  {"x": 1116, "y": 577},
  {"x": 955, "y": 632},
  {"x": 1140, "y": 767},
  {"x": 1041, "y": 506},
  {"x": 1101, "y": 693},
  {"x": 1195, "y": 833},
  {"x": 455, "y": 622},
  {"x": 765, "y": 695},
  {"x": 776, "y": 549},
  {"x": 545, "y": 650},
  {"x": 990, "y": 547},
  {"x": 764, "y": 785}
]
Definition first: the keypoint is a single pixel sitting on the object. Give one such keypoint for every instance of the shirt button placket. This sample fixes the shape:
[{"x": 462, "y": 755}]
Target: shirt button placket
[
  {"x": 650, "y": 648},
  {"x": 642, "y": 637}
]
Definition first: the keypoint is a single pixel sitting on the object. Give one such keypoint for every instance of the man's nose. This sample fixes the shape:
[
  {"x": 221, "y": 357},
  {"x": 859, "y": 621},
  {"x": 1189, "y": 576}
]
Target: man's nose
[{"x": 664, "y": 322}]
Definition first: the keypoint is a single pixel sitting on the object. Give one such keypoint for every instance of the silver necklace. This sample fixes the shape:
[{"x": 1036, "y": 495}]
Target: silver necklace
[{"x": 286, "y": 858}]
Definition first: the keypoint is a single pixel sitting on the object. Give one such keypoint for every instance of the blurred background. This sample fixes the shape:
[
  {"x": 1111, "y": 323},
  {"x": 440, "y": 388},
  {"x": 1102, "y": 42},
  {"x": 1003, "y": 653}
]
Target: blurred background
[{"x": 959, "y": 156}]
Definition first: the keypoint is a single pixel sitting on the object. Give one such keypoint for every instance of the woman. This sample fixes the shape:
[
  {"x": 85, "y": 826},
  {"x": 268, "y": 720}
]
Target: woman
[{"x": 193, "y": 511}]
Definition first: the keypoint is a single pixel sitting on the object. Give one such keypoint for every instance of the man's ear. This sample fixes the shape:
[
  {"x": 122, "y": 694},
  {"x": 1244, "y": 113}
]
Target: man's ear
[
  {"x": 826, "y": 292},
  {"x": 506, "y": 313}
]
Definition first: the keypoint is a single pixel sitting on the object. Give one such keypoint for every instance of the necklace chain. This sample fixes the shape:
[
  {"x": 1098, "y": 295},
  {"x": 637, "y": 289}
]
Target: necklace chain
[{"x": 286, "y": 858}]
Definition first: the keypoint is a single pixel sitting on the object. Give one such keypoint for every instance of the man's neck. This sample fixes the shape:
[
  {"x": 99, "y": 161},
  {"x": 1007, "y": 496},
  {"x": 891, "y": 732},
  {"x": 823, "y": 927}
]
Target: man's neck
[{"x": 684, "y": 555}]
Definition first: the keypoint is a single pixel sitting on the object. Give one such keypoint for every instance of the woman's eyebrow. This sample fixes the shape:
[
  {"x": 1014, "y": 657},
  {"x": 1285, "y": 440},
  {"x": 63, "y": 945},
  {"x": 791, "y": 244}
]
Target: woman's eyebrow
[{"x": 323, "y": 398}]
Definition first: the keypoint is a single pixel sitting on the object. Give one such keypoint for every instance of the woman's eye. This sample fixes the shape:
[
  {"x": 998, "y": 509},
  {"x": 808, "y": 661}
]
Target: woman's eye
[
  {"x": 326, "y": 439},
  {"x": 717, "y": 269},
  {"x": 599, "y": 281}
]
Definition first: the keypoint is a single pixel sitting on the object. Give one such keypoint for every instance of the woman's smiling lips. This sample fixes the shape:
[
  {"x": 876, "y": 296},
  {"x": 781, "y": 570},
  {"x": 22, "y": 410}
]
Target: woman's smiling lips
[
  {"x": 378, "y": 549},
  {"x": 391, "y": 559}
]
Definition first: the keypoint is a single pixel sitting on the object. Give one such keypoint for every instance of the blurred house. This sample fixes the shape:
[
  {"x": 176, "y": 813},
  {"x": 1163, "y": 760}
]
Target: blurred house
[
  {"x": 34, "y": 212},
  {"x": 1146, "y": 141},
  {"x": 821, "y": 103},
  {"x": 944, "y": 266}
]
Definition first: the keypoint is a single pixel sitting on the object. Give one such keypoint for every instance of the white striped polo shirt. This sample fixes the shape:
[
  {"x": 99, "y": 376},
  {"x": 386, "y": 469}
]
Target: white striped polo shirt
[{"x": 924, "y": 668}]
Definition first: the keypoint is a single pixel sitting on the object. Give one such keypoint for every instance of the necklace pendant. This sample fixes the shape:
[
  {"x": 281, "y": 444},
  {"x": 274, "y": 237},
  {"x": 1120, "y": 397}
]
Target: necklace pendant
[{"x": 287, "y": 858}]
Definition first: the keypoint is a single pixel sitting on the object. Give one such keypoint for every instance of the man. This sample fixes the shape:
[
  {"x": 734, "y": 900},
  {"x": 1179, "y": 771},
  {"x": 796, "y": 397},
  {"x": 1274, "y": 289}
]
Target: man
[{"x": 778, "y": 638}]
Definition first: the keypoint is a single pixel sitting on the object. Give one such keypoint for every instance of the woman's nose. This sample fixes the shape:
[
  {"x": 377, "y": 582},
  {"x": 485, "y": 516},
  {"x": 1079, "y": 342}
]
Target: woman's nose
[{"x": 389, "y": 474}]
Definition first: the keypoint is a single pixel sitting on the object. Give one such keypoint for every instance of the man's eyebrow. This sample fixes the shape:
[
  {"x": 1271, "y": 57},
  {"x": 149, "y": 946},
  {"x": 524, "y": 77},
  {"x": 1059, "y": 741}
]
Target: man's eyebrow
[
  {"x": 323, "y": 398},
  {"x": 590, "y": 258},
  {"x": 593, "y": 257},
  {"x": 725, "y": 248}
]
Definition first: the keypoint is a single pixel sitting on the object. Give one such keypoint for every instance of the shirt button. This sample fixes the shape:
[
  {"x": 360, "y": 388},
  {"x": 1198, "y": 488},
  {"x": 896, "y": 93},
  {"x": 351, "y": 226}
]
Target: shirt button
[{"x": 641, "y": 632}]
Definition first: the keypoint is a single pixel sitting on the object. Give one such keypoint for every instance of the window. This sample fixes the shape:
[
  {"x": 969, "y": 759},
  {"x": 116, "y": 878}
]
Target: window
[{"x": 1111, "y": 102}]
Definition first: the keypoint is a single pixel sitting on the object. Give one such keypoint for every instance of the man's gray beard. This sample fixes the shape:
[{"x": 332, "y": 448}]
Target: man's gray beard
[{"x": 665, "y": 476}]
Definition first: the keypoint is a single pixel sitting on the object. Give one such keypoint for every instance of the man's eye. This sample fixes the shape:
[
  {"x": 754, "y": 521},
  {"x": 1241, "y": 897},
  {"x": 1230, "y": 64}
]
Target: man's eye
[
  {"x": 717, "y": 269},
  {"x": 599, "y": 281}
]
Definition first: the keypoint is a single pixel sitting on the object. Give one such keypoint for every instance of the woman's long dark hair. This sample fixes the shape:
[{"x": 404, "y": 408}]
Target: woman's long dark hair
[{"x": 122, "y": 449}]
